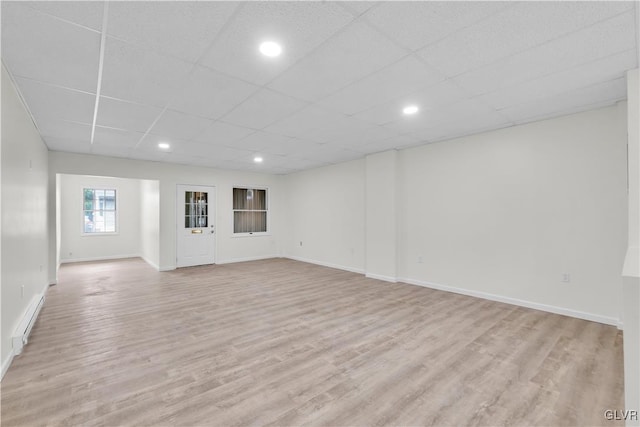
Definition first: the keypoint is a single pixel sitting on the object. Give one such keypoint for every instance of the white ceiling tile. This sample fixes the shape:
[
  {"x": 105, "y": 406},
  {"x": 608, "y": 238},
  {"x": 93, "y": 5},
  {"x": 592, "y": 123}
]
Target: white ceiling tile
[
  {"x": 211, "y": 94},
  {"x": 222, "y": 133},
  {"x": 414, "y": 24},
  {"x": 296, "y": 163},
  {"x": 597, "y": 41},
  {"x": 61, "y": 129},
  {"x": 176, "y": 125},
  {"x": 347, "y": 130},
  {"x": 262, "y": 109},
  {"x": 67, "y": 145},
  {"x": 140, "y": 75},
  {"x": 209, "y": 151},
  {"x": 256, "y": 141},
  {"x": 471, "y": 124},
  {"x": 358, "y": 7},
  {"x": 182, "y": 29},
  {"x": 149, "y": 144},
  {"x": 126, "y": 115},
  {"x": 349, "y": 56},
  {"x": 512, "y": 30},
  {"x": 40, "y": 47},
  {"x": 403, "y": 77},
  {"x": 268, "y": 161},
  {"x": 298, "y": 26},
  {"x": 432, "y": 98},
  {"x": 110, "y": 150},
  {"x": 569, "y": 102},
  {"x": 528, "y": 60},
  {"x": 116, "y": 138},
  {"x": 85, "y": 13},
  {"x": 304, "y": 123},
  {"x": 48, "y": 102},
  {"x": 608, "y": 68},
  {"x": 282, "y": 145}
]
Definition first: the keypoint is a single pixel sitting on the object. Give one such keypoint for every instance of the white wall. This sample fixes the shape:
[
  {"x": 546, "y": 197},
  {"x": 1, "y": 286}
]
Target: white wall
[
  {"x": 150, "y": 221},
  {"x": 76, "y": 246},
  {"x": 508, "y": 212},
  {"x": 381, "y": 215},
  {"x": 24, "y": 214},
  {"x": 228, "y": 247},
  {"x": 502, "y": 214},
  {"x": 325, "y": 211},
  {"x": 631, "y": 270}
]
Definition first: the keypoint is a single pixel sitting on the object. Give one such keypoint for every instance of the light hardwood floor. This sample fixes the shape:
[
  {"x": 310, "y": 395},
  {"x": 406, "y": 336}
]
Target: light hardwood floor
[{"x": 280, "y": 342}]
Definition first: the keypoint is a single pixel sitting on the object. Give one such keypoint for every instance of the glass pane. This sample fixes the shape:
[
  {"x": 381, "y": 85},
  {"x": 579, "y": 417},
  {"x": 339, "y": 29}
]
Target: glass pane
[
  {"x": 110, "y": 199},
  {"x": 109, "y": 222},
  {"x": 88, "y": 199},
  {"x": 249, "y": 222},
  {"x": 196, "y": 209},
  {"x": 88, "y": 222},
  {"x": 98, "y": 221},
  {"x": 239, "y": 198},
  {"x": 260, "y": 200}
]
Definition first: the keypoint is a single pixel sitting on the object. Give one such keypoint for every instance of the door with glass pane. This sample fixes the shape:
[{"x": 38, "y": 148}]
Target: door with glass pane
[{"x": 196, "y": 230}]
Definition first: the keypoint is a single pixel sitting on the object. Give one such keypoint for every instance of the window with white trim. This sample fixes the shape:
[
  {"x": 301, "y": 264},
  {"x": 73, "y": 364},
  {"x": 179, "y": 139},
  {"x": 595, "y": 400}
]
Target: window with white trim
[
  {"x": 99, "y": 210},
  {"x": 250, "y": 209}
]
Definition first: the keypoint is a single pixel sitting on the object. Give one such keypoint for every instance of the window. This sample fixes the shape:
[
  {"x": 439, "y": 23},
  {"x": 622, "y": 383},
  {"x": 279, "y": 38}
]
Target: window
[
  {"x": 249, "y": 210},
  {"x": 99, "y": 210}
]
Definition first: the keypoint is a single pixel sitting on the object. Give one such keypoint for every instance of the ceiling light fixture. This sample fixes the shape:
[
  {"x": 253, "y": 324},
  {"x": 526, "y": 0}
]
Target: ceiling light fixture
[
  {"x": 270, "y": 49},
  {"x": 410, "y": 109},
  {"x": 257, "y": 159},
  {"x": 164, "y": 146}
]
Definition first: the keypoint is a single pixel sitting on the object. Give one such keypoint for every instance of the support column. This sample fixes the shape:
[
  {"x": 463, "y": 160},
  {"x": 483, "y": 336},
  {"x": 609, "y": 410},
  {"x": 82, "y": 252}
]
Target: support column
[{"x": 380, "y": 214}]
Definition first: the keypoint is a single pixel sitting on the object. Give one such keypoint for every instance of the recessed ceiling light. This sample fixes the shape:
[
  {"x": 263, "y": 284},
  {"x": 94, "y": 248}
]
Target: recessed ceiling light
[
  {"x": 164, "y": 146},
  {"x": 257, "y": 159},
  {"x": 410, "y": 109},
  {"x": 270, "y": 49}
]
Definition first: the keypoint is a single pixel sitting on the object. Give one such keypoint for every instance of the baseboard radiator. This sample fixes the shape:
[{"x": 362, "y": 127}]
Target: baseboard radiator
[{"x": 21, "y": 334}]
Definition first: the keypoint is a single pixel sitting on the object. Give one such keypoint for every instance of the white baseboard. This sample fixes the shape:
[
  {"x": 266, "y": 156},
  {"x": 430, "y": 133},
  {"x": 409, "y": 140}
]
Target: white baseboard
[
  {"x": 152, "y": 264},
  {"x": 514, "y": 301},
  {"x": 325, "y": 264},
  {"x": 381, "y": 277},
  {"x": 253, "y": 258},
  {"x": 101, "y": 258},
  {"x": 7, "y": 361}
]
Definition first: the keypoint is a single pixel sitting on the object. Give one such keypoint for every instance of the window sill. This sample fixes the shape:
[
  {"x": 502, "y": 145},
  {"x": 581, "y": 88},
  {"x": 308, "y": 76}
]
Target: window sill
[
  {"x": 251, "y": 234},
  {"x": 99, "y": 234}
]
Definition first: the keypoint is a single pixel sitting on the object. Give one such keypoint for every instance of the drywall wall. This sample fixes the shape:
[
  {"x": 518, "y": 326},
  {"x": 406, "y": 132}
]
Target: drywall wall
[
  {"x": 631, "y": 269},
  {"x": 24, "y": 214},
  {"x": 78, "y": 246},
  {"x": 380, "y": 215},
  {"x": 150, "y": 221},
  {"x": 509, "y": 212},
  {"x": 325, "y": 210},
  {"x": 228, "y": 247}
]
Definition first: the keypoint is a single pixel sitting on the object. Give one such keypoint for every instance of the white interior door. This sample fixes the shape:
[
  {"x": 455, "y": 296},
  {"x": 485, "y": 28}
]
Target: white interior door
[{"x": 196, "y": 229}]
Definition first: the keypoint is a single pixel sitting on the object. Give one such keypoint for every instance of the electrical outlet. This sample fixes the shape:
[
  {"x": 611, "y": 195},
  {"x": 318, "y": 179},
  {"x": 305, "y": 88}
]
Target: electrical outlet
[
  {"x": 566, "y": 277},
  {"x": 419, "y": 260},
  {"x": 300, "y": 242}
]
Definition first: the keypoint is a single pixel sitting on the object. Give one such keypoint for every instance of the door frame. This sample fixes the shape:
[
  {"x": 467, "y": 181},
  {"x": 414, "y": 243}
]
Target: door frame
[{"x": 212, "y": 216}]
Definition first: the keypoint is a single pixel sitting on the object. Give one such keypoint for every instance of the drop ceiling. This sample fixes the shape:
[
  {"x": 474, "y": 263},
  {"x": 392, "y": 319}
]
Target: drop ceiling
[{"x": 117, "y": 78}]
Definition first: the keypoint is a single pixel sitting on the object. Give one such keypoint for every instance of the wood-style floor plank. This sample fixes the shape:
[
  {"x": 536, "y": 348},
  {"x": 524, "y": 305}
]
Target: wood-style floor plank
[{"x": 280, "y": 342}]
